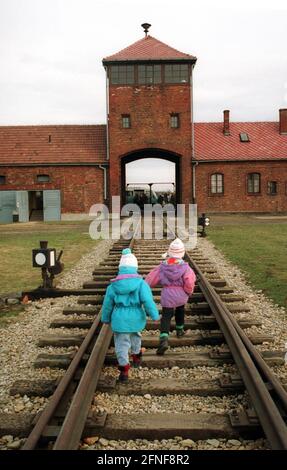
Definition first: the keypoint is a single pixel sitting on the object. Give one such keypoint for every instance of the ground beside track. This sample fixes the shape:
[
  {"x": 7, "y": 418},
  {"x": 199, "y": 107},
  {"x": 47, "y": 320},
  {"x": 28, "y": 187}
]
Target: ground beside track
[{"x": 258, "y": 247}]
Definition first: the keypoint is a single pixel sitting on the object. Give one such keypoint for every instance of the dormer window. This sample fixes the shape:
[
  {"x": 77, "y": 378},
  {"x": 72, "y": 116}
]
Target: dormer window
[{"x": 244, "y": 137}]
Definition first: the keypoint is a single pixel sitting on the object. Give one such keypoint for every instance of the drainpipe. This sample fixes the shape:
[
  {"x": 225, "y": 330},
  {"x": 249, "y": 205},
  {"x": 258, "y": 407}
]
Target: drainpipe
[
  {"x": 107, "y": 113},
  {"x": 192, "y": 138},
  {"x": 193, "y": 182},
  {"x": 105, "y": 180}
]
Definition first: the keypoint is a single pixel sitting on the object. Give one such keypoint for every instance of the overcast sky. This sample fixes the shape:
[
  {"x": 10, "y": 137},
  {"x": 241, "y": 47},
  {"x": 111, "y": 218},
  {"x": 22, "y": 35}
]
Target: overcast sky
[
  {"x": 51, "y": 53},
  {"x": 143, "y": 171}
]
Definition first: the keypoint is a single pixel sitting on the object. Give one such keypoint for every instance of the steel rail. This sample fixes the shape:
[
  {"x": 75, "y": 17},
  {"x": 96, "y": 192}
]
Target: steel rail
[
  {"x": 248, "y": 362},
  {"x": 74, "y": 422},
  {"x": 66, "y": 380},
  {"x": 73, "y": 425},
  {"x": 265, "y": 370}
]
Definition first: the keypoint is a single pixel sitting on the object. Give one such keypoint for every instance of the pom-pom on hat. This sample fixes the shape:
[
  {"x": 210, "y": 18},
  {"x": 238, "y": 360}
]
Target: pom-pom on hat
[
  {"x": 176, "y": 249},
  {"x": 128, "y": 259}
]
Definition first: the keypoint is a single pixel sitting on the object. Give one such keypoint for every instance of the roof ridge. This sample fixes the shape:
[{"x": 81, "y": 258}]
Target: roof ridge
[
  {"x": 49, "y": 125},
  {"x": 148, "y": 47},
  {"x": 236, "y": 122}
]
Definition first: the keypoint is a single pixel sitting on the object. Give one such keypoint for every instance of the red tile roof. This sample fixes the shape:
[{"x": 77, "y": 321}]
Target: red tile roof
[
  {"x": 149, "y": 48},
  {"x": 265, "y": 141},
  {"x": 69, "y": 144},
  {"x": 87, "y": 143}
]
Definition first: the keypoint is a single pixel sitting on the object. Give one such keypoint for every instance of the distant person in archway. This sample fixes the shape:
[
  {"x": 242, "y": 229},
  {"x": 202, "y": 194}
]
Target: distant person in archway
[
  {"x": 143, "y": 200},
  {"x": 136, "y": 199},
  {"x": 172, "y": 199},
  {"x": 160, "y": 199}
]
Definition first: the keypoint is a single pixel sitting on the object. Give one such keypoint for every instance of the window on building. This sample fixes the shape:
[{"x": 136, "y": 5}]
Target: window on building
[
  {"x": 2, "y": 179},
  {"x": 244, "y": 137},
  {"x": 174, "y": 120},
  {"x": 43, "y": 178},
  {"x": 126, "y": 121},
  {"x": 149, "y": 74},
  {"x": 122, "y": 74},
  {"x": 272, "y": 187},
  {"x": 216, "y": 183},
  {"x": 253, "y": 183},
  {"x": 176, "y": 73}
]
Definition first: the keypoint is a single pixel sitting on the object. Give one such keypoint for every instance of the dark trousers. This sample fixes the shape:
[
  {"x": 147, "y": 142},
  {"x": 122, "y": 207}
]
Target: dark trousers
[{"x": 167, "y": 314}]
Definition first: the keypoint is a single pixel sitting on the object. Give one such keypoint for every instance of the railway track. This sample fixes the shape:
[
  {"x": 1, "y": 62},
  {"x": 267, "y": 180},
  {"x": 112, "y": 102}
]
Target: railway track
[{"x": 214, "y": 338}]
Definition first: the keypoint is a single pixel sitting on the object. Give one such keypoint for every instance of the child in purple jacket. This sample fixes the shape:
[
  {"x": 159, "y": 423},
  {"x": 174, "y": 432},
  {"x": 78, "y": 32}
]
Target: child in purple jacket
[{"x": 177, "y": 279}]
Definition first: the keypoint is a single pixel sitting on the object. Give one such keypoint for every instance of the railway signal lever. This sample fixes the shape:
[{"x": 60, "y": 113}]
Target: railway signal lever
[
  {"x": 45, "y": 258},
  {"x": 204, "y": 222}
]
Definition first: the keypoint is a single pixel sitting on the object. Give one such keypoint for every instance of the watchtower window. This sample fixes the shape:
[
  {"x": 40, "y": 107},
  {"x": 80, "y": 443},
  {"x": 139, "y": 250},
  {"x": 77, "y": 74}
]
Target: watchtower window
[
  {"x": 2, "y": 179},
  {"x": 126, "y": 121},
  {"x": 148, "y": 74},
  {"x": 176, "y": 73},
  {"x": 174, "y": 120},
  {"x": 122, "y": 74}
]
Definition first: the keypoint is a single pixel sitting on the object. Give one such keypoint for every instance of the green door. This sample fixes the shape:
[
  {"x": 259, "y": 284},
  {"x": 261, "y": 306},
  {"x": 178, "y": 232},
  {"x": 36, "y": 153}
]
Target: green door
[
  {"x": 22, "y": 202},
  {"x": 52, "y": 205},
  {"x": 7, "y": 206}
]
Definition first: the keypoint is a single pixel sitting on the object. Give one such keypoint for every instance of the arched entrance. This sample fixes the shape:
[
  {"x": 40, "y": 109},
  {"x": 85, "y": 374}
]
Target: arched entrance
[{"x": 152, "y": 174}]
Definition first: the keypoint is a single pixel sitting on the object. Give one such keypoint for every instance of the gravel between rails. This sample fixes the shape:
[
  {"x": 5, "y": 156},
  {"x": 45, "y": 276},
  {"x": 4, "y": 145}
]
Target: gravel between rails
[
  {"x": 135, "y": 404},
  {"x": 178, "y": 443}
]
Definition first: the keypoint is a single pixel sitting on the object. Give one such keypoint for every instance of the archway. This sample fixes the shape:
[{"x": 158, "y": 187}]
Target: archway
[{"x": 151, "y": 174}]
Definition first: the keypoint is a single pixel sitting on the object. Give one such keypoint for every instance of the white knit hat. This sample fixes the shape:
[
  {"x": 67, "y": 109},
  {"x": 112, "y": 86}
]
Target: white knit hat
[
  {"x": 176, "y": 249},
  {"x": 128, "y": 259}
]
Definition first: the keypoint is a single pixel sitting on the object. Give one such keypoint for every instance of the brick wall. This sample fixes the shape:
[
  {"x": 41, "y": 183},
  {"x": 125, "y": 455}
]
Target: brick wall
[
  {"x": 150, "y": 108},
  {"x": 81, "y": 187},
  {"x": 236, "y": 198}
]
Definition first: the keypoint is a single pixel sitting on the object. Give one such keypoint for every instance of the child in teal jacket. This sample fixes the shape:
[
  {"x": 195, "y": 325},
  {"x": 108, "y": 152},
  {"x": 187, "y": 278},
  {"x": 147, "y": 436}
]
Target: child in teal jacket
[{"x": 127, "y": 301}]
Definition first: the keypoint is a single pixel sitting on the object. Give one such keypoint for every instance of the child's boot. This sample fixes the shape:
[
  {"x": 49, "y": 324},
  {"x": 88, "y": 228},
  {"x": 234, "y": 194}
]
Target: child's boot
[
  {"x": 137, "y": 359},
  {"x": 180, "y": 331},
  {"x": 163, "y": 345},
  {"x": 124, "y": 373}
]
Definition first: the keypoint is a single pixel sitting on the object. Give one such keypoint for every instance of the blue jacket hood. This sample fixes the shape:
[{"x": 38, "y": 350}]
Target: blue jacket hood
[{"x": 126, "y": 285}]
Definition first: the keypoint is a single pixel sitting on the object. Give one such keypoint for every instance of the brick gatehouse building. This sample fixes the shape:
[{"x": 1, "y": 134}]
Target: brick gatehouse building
[{"x": 57, "y": 171}]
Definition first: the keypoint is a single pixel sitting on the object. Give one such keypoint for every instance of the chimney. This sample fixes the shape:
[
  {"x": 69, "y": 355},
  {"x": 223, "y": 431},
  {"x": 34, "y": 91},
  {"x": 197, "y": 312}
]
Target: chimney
[
  {"x": 226, "y": 130},
  {"x": 283, "y": 121}
]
